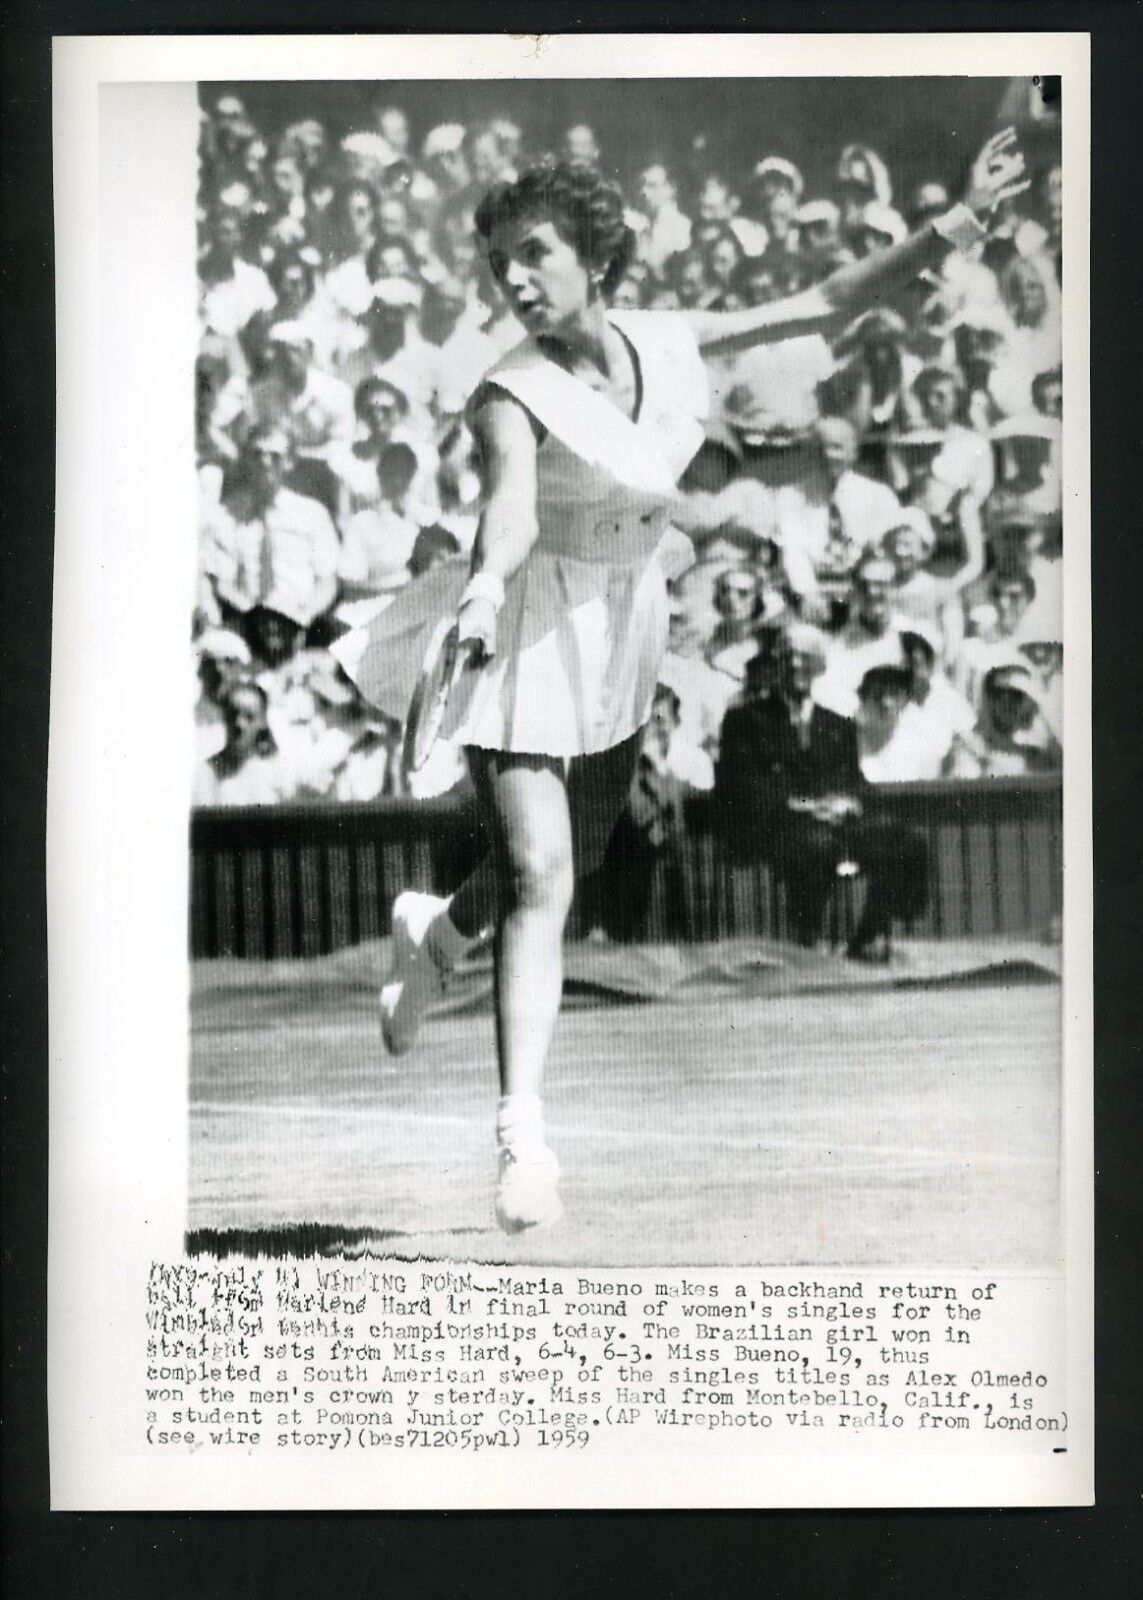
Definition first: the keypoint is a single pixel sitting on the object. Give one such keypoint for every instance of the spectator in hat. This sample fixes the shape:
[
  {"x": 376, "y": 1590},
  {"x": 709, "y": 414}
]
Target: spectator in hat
[
  {"x": 862, "y": 176},
  {"x": 444, "y": 161},
  {"x": 1018, "y": 540},
  {"x": 465, "y": 352},
  {"x": 231, "y": 289},
  {"x": 877, "y": 227},
  {"x": 354, "y": 749},
  {"x": 820, "y": 244},
  {"x": 1012, "y": 736},
  {"x": 773, "y": 193},
  {"x": 1048, "y": 393},
  {"x": 1028, "y": 450},
  {"x": 665, "y": 231},
  {"x": 298, "y": 301},
  {"x": 937, "y": 715},
  {"x": 264, "y": 545},
  {"x": 871, "y": 636}
]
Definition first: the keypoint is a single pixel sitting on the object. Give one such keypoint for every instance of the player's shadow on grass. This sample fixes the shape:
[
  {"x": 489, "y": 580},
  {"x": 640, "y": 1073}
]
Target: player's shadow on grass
[{"x": 306, "y": 1239}]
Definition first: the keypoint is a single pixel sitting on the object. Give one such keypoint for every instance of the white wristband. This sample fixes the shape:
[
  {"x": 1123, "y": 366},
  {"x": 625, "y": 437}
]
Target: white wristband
[
  {"x": 484, "y": 586},
  {"x": 960, "y": 227}
]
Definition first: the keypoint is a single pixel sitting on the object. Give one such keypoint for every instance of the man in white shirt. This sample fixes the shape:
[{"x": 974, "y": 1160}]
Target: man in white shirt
[
  {"x": 937, "y": 717},
  {"x": 871, "y": 638},
  {"x": 829, "y": 523},
  {"x": 265, "y": 546},
  {"x": 665, "y": 230}
]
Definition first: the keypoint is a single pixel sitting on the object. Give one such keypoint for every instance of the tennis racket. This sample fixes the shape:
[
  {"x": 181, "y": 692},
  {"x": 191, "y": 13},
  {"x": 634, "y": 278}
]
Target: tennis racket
[{"x": 444, "y": 663}]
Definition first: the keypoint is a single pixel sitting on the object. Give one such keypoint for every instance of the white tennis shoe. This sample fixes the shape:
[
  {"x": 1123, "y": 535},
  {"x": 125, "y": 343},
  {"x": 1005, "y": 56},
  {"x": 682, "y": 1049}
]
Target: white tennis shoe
[
  {"x": 526, "y": 1195},
  {"x": 417, "y": 974}
]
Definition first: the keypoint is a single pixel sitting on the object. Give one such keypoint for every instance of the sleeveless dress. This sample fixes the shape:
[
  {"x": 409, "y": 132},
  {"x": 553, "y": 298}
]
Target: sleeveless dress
[{"x": 584, "y": 623}]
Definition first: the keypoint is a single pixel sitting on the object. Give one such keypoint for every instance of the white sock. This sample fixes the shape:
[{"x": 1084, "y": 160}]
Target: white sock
[{"x": 519, "y": 1121}]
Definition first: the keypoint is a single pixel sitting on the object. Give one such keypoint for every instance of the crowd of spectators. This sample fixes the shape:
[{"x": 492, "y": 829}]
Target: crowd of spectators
[{"x": 876, "y": 517}]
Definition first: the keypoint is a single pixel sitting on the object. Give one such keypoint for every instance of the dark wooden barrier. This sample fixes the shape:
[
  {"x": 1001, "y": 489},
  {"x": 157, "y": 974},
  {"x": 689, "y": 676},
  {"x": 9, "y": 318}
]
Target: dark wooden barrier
[{"x": 301, "y": 881}]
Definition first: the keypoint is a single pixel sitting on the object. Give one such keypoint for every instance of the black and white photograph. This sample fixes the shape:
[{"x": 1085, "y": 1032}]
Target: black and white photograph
[
  {"x": 629, "y": 659},
  {"x": 574, "y": 815}
]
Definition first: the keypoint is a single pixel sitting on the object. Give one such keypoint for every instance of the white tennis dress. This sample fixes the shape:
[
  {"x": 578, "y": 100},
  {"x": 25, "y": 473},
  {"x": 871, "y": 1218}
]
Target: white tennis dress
[{"x": 583, "y": 627}]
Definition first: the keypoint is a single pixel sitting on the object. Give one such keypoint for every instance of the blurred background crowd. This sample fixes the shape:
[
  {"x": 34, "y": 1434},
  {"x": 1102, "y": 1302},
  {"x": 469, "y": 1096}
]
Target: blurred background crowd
[{"x": 877, "y": 518}]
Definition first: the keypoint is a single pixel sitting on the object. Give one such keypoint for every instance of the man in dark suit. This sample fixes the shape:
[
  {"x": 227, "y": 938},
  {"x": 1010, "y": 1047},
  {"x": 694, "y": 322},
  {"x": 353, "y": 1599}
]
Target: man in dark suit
[{"x": 792, "y": 793}]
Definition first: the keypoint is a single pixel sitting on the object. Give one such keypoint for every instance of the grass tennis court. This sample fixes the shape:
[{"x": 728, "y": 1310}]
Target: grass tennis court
[{"x": 730, "y": 1105}]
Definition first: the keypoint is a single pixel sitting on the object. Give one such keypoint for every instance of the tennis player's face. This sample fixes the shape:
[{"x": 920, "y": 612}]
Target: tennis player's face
[{"x": 544, "y": 280}]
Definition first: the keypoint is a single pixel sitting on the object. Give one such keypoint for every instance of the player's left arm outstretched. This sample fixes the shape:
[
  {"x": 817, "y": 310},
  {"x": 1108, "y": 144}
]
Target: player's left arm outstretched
[{"x": 997, "y": 175}]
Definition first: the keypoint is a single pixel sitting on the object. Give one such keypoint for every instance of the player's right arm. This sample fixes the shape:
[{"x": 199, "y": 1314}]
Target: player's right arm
[{"x": 506, "y": 442}]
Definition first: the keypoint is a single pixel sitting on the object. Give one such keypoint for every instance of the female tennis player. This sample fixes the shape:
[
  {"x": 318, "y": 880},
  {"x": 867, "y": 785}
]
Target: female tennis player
[{"x": 584, "y": 429}]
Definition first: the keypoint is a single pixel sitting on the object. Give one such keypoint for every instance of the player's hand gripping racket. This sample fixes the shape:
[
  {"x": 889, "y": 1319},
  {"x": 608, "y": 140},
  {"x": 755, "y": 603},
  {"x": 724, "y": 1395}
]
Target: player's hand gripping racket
[{"x": 446, "y": 660}]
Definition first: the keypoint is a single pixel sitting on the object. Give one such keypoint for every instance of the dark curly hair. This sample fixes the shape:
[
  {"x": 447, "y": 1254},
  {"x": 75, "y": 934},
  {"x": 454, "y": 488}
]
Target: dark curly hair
[{"x": 585, "y": 208}]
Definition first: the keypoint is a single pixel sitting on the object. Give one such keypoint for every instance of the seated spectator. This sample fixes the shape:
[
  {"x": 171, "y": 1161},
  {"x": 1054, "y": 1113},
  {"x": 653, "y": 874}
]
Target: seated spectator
[
  {"x": 884, "y": 748},
  {"x": 249, "y": 769},
  {"x": 391, "y": 348},
  {"x": 1011, "y": 592},
  {"x": 1046, "y": 658},
  {"x": 464, "y": 350},
  {"x": 231, "y": 289},
  {"x": 382, "y": 412},
  {"x": 379, "y": 540},
  {"x": 945, "y": 469},
  {"x": 875, "y": 228},
  {"x": 686, "y": 273},
  {"x": 872, "y": 387},
  {"x": 444, "y": 160},
  {"x": 1012, "y": 736},
  {"x": 352, "y": 232},
  {"x": 743, "y": 601},
  {"x": 1019, "y": 542},
  {"x": 718, "y": 204},
  {"x": 580, "y": 146},
  {"x": 861, "y": 177},
  {"x": 356, "y": 751},
  {"x": 918, "y": 596},
  {"x": 937, "y": 716},
  {"x": 771, "y": 199},
  {"x": 832, "y": 522},
  {"x": 1031, "y": 299},
  {"x": 650, "y": 826},
  {"x": 703, "y": 691},
  {"x": 820, "y": 245},
  {"x": 315, "y": 408},
  {"x": 223, "y": 659},
  {"x": 264, "y": 545},
  {"x": 293, "y": 276},
  {"x": 980, "y": 341},
  {"x": 871, "y": 636},
  {"x": 792, "y": 793},
  {"x": 1028, "y": 453},
  {"x": 662, "y": 230}
]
